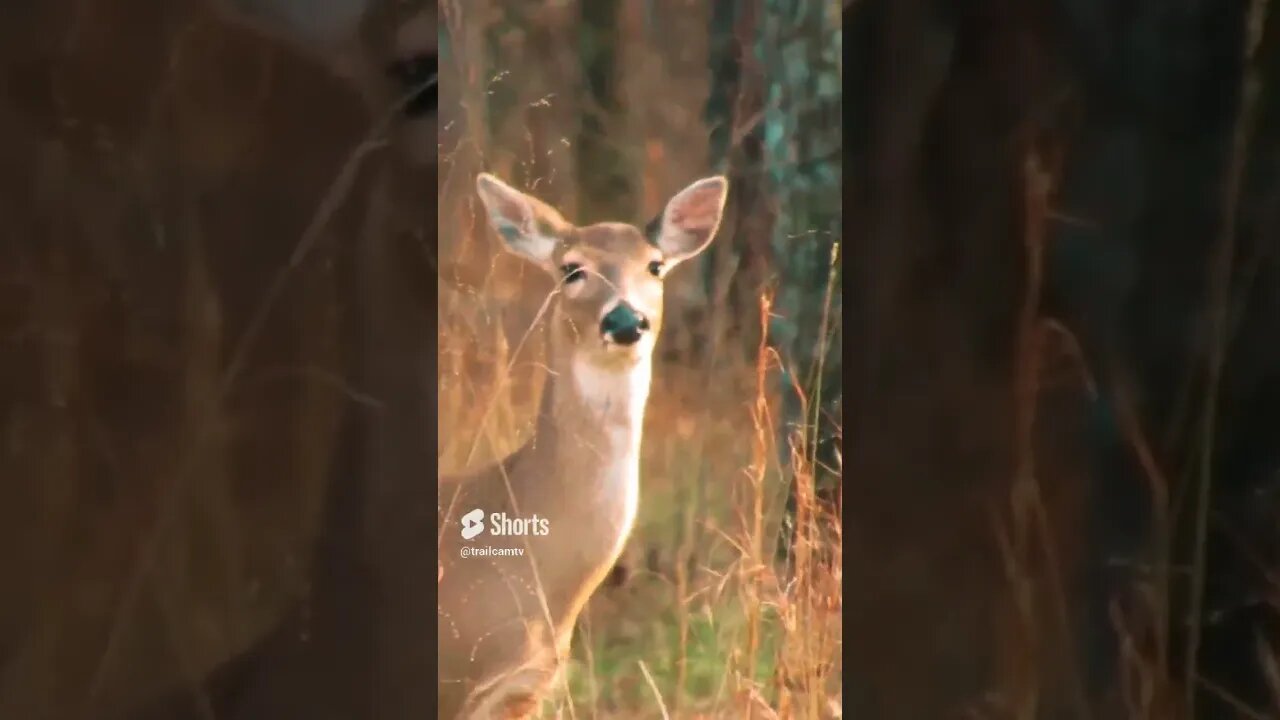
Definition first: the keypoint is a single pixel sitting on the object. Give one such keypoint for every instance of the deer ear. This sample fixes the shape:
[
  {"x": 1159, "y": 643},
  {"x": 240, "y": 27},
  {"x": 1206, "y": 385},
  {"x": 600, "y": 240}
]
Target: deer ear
[
  {"x": 691, "y": 219},
  {"x": 529, "y": 227}
]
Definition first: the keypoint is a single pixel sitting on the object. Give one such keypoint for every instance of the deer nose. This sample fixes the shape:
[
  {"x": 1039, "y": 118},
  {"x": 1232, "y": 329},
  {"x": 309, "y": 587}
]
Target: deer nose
[{"x": 623, "y": 325}]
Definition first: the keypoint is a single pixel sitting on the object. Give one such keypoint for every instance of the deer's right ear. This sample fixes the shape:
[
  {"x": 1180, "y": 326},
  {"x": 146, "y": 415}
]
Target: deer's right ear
[{"x": 528, "y": 227}]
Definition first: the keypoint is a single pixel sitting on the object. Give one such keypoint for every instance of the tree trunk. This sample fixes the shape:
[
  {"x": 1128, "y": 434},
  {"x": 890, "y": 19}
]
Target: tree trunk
[
  {"x": 605, "y": 172},
  {"x": 799, "y": 47}
]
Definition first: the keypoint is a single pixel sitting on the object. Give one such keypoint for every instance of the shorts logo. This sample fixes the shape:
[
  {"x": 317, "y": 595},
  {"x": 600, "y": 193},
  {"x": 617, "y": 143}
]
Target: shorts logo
[{"x": 472, "y": 524}]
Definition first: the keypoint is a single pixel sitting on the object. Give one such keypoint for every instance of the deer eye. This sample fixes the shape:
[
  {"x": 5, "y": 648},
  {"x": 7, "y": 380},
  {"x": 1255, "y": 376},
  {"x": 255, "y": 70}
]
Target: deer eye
[
  {"x": 655, "y": 268},
  {"x": 572, "y": 272}
]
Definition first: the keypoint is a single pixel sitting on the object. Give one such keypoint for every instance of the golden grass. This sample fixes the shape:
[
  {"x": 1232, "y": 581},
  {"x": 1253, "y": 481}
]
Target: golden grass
[{"x": 710, "y": 623}]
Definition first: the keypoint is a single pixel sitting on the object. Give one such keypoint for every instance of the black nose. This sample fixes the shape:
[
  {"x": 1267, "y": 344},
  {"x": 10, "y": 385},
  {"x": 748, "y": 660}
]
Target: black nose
[{"x": 623, "y": 325}]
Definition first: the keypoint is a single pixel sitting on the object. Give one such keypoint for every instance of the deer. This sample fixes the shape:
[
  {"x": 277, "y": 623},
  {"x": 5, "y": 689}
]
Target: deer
[
  {"x": 384, "y": 50},
  {"x": 364, "y": 42},
  {"x": 553, "y": 516}
]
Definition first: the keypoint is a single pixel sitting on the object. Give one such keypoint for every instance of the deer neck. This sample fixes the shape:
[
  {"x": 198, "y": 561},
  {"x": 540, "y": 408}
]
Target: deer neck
[
  {"x": 585, "y": 453},
  {"x": 589, "y": 429},
  {"x": 585, "y": 406}
]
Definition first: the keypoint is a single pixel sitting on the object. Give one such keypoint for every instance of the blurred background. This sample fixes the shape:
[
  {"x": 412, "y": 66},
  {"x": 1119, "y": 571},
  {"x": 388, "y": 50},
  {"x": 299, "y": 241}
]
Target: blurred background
[
  {"x": 218, "y": 262},
  {"x": 727, "y": 600},
  {"x": 197, "y": 273},
  {"x": 1064, "y": 364}
]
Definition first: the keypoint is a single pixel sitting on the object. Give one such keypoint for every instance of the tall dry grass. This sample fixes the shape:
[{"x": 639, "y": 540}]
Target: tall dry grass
[
  {"x": 1158, "y": 674},
  {"x": 709, "y": 623}
]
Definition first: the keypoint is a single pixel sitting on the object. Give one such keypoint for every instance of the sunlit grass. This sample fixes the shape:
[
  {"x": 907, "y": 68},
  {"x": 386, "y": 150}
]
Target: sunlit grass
[{"x": 710, "y": 622}]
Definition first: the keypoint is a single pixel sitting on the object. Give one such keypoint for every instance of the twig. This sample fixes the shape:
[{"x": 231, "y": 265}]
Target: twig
[
  {"x": 1220, "y": 296},
  {"x": 654, "y": 687}
]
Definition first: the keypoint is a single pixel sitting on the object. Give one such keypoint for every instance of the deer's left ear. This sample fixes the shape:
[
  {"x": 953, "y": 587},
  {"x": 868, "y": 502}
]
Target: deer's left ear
[{"x": 690, "y": 220}]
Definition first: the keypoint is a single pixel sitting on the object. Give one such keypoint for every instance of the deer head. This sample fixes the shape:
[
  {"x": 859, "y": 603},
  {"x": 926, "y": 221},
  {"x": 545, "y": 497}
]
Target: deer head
[{"x": 608, "y": 309}]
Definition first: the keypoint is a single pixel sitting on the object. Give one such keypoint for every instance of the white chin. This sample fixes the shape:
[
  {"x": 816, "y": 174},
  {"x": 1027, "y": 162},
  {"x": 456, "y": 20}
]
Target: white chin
[{"x": 615, "y": 354}]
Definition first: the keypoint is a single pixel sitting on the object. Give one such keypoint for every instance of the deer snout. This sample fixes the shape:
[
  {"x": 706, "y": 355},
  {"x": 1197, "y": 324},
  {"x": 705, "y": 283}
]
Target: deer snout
[{"x": 623, "y": 325}]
